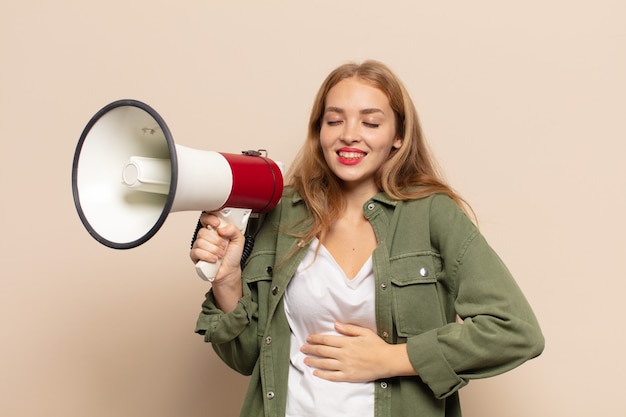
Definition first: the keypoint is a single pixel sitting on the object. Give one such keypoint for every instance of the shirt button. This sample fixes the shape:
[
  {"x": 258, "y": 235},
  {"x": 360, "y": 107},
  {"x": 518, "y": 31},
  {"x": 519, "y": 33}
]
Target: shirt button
[
  {"x": 269, "y": 270},
  {"x": 424, "y": 272},
  {"x": 371, "y": 206},
  {"x": 383, "y": 286},
  {"x": 270, "y": 395},
  {"x": 383, "y": 385},
  {"x": 275, "y": 290},
  {"x": 268, "y": 340},
  {"x": 385, "y": 335}
]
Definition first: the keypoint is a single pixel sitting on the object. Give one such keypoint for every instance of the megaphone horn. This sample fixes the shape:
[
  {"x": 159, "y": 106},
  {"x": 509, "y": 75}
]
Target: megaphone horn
[{"x": 128, "y": 175}]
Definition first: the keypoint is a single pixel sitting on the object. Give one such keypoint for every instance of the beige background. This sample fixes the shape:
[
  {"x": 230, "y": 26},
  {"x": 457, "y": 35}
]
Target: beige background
[{"x": 523, "y": 103}]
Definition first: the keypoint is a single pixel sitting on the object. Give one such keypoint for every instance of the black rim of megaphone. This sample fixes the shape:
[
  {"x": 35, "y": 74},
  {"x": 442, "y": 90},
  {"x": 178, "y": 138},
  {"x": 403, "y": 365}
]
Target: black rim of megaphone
[{"x": 173, "y": 181}]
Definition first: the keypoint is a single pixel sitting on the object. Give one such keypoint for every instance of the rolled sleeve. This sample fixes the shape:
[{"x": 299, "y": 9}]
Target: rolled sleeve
[
  {"x": 218, "y": 327},
  {"x": 431, "y": 365}
]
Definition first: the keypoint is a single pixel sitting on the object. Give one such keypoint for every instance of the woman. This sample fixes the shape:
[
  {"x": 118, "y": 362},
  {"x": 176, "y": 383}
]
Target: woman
[{"x": 369, "y": 291}]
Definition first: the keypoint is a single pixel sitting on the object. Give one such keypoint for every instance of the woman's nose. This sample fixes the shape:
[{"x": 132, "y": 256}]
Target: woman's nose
[{"x": 350, "y": 132}]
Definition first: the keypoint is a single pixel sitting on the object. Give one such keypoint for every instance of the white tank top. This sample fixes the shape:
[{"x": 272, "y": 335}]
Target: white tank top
[{"x": 319, "y": 295}]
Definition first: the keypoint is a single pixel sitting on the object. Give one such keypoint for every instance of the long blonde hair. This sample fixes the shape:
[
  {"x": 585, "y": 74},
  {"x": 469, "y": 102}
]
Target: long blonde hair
[{"x": 410, "y": 172}]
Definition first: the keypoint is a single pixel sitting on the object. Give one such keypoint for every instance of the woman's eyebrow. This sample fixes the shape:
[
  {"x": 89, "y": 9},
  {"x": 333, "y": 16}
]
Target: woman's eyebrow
[{"x": 332, "y": 109}]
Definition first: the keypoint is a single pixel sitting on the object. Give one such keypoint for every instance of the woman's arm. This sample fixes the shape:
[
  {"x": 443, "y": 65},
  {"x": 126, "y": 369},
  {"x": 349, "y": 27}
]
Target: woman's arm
[
  {"x": 229, "y": 319},
  {"x": 499, "y": 330},
  {"x": 214, "y": 242}
]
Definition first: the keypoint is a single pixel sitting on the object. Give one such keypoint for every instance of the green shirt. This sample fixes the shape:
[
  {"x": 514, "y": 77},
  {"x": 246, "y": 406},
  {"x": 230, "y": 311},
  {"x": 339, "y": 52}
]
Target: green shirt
[{"x": 432, "y": 266}]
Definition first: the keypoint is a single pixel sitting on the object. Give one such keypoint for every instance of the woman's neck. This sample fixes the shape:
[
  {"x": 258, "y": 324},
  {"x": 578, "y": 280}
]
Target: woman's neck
[{"x": 356, "y": 196}]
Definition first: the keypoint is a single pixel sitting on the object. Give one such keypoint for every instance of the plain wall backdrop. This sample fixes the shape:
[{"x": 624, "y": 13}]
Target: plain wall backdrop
[{"x": 523, "y": 103}]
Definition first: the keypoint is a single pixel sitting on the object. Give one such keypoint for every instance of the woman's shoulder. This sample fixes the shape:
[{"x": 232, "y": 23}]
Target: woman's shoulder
[
  {"x": 444, "y": 215},
  {"x": 290, "y": 207},
  {"x": 436, "y": 203}
]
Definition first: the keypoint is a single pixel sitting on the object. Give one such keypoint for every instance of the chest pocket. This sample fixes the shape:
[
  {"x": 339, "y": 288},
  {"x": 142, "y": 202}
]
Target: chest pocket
[
  {"x": 257, "y": 275},
  {"x": 416, "y": 302}
]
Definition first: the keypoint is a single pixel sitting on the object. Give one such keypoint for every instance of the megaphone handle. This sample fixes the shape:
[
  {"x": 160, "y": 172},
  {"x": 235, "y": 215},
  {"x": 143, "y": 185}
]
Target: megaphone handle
[{"x": 239, "y": 217}]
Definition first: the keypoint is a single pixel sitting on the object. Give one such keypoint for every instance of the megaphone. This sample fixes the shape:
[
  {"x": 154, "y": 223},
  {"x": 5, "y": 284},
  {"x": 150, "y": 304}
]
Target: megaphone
[{"x": 128, "y": 175}]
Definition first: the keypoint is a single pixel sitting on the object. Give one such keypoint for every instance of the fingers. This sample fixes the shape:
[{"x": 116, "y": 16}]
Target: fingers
[
  {"x": 209, "y": 245},
  {"x": 350, "y": 329},
  {"x": 327, "y": 362},
  {"x": 321, "y": 356},
  {"x": 223, "y": 228},
  {"x": 210, "y": 220},
  {"x": 326, "y": 345},
  {"x": 324, "y": 340},
  {"x": 352, "y": 355},
  {"x": 217, "y": 240}
]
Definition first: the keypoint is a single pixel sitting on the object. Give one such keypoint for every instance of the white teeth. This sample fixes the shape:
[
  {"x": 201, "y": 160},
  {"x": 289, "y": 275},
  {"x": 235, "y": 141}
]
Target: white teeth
[{"x": 351, "y": 155}]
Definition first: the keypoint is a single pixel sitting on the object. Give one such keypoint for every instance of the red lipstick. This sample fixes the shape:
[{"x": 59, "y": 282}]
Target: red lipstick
[{"x": 350, "y": 156}]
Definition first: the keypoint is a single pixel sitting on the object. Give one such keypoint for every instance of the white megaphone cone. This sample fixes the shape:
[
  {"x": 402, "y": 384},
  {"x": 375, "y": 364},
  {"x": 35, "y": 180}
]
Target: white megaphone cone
[{"x": 128, "y": 175}]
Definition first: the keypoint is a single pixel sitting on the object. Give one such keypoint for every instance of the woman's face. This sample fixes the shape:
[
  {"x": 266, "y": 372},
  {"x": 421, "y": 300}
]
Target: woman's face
[{"x": 357, "y": 133}]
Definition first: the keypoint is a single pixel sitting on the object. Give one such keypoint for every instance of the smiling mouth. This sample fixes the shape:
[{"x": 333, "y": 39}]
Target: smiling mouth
[{"x": 351, "y": 155}]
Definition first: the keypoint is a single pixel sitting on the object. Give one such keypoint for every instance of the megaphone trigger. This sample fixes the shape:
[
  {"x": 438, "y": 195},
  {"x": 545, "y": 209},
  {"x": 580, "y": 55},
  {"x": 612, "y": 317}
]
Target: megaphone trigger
[{"x": 239, "y": 217}]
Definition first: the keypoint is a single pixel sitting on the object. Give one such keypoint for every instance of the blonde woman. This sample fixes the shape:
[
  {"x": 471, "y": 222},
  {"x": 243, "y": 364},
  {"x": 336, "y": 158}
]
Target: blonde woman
[{"x": 350, "y": 301}]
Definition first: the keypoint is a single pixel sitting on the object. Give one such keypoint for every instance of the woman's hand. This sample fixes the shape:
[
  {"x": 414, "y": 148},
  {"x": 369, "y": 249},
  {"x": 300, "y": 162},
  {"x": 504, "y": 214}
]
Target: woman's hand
[
  {"x": 357, "y": 355},
  {"x": 218, "y": 240}
]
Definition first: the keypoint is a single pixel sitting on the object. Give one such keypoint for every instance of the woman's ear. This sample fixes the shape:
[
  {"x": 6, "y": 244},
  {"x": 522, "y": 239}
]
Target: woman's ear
[{"x": 397, "y": 143}]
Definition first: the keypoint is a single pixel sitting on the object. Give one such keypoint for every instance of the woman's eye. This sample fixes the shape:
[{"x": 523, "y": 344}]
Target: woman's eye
[
  {"x": 372, "y": 125},
  {"x": 333, "y": 122}
]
